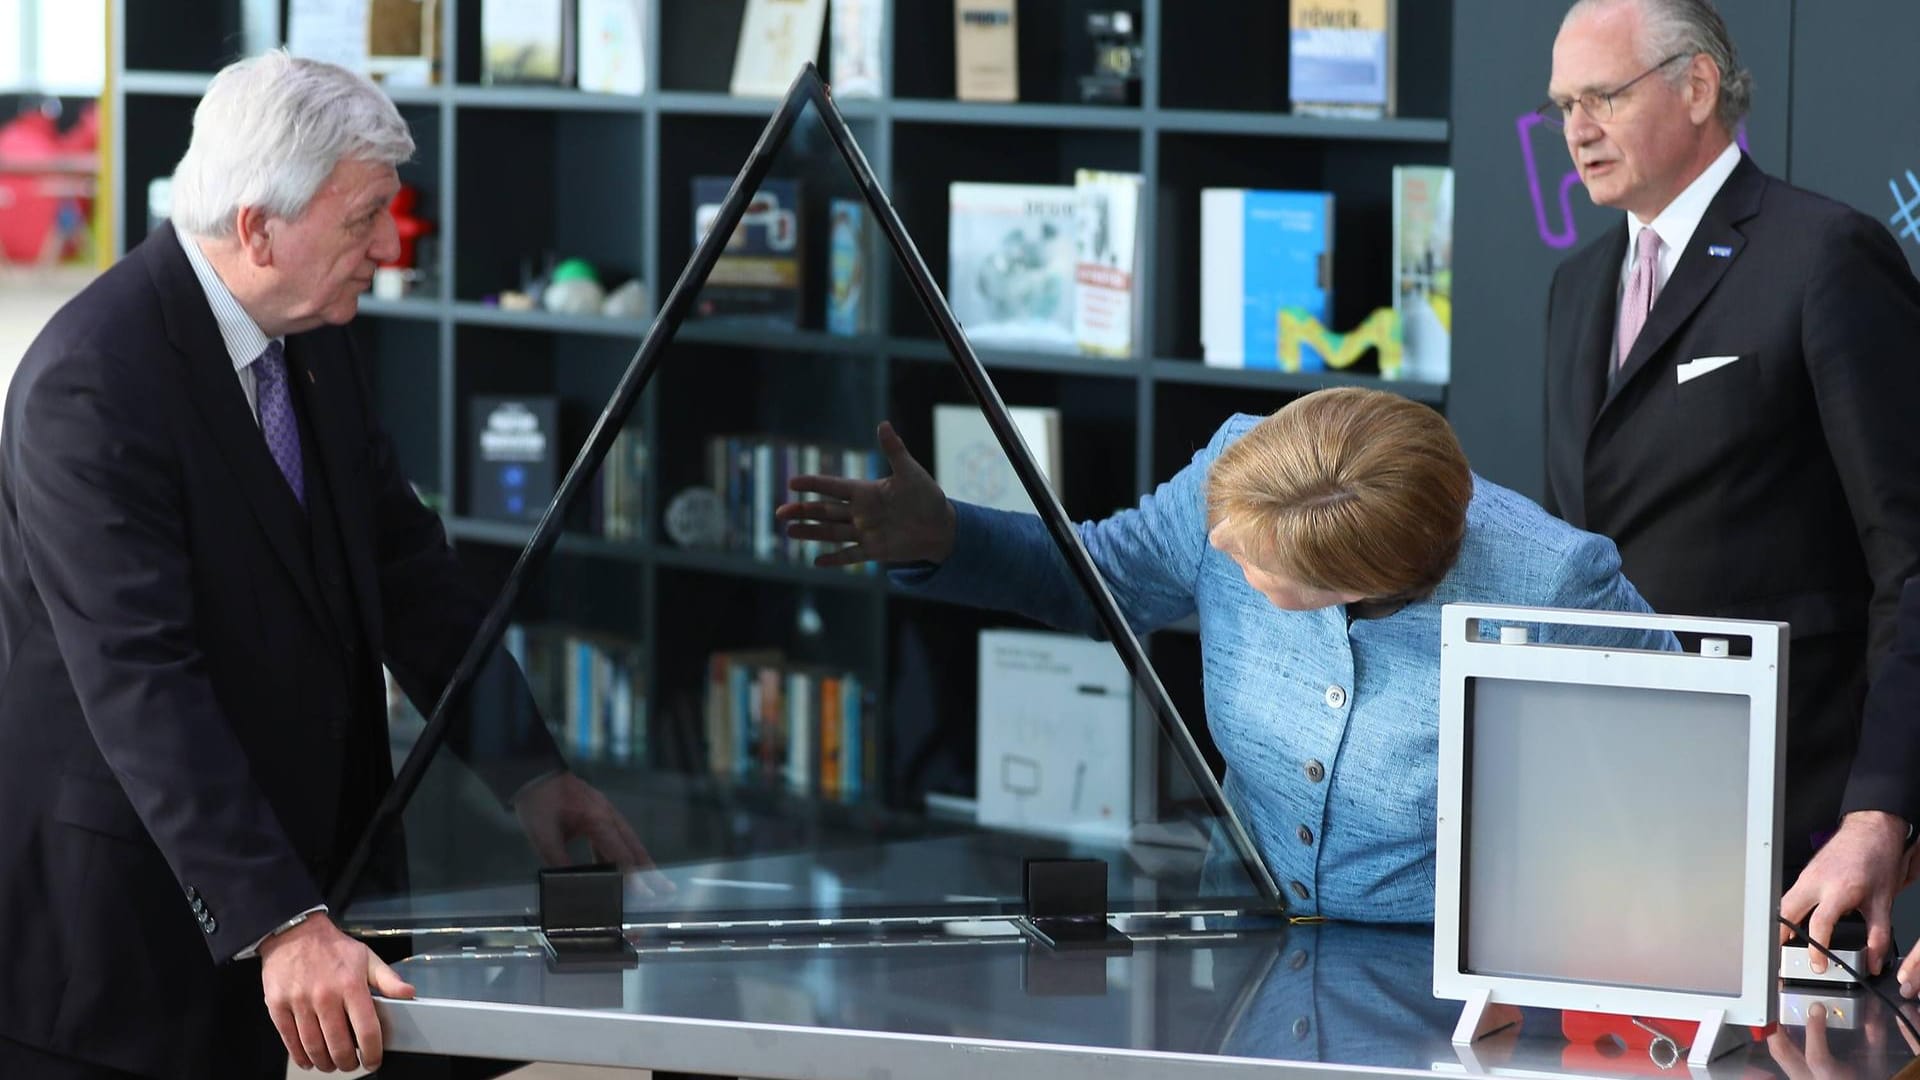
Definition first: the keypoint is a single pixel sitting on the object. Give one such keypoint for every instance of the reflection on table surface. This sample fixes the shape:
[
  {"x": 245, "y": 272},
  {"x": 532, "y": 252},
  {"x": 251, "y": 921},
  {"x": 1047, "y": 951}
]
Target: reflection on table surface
[
  {"x": 1326, "y": 993},
  {"x": 968, "y": 873}
]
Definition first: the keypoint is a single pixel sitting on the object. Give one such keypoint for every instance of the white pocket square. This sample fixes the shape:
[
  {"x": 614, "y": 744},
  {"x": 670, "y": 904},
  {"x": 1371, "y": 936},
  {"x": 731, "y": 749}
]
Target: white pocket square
[{"x": 1695, "y": 368}]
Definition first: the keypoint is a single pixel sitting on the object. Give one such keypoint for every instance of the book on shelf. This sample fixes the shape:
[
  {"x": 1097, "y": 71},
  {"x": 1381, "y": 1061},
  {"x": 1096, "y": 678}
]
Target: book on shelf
[
  {"x": 806, "y": 728},
  {"x": 612, "y": 46},
  {"x": 526, "y": 41},
  {"x": 590, "y": 687},
  {"x": 855, "y": 29},
  {"x": 758, "y": 277},
  {"x": 986, "y": 53},
  {"x": 403, "y": 41},
  {"x": 850, "y": 262},
  {"x": 750, "y": 475},
  {"x": 1107, "y": 305},
  {"x": 1055, "y": 735},
  {"x": 776, "y": 38},
  {"x": 336, "y": 31},
  {"x": 1261, "y": 252},
  {"x": 1340, "y": 57},
  {"x": 1011, "y": 263},
  {"x": 1423, "y": 269},
  {"x": 614, "y": 506},
  {"x": 513, "y": 469},
  {"x": 970, "y": 466}
]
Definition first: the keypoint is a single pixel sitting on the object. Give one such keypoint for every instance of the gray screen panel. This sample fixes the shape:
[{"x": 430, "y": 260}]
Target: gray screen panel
[{"x": 1606, "y": 828}]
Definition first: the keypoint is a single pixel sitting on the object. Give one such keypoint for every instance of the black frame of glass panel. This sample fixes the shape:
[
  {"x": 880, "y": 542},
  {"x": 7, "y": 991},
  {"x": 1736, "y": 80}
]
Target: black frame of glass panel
[{"x": 807, "y": 88}]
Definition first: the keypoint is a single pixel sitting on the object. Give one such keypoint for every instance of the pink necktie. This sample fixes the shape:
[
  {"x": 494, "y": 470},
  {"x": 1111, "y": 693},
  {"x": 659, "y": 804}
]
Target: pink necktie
[{"x": 1638, "y": 300}]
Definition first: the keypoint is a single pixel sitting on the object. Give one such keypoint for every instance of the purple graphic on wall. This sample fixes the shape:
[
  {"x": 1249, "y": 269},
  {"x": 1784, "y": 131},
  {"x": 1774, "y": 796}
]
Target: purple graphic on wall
[
  {"x": 1567, "y": 233},
  {"x": 1903, "y": 219}
]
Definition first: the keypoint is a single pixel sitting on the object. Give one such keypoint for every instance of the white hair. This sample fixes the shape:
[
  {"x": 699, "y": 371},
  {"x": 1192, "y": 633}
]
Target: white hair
[
  {"x": 1691, "y": 28},
  {"x": 269, "y": 132}
]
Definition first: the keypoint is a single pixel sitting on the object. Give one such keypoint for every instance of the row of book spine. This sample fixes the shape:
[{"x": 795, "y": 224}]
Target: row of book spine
[
  {"x": 590, "y": 688},
  {"x": 805, "y": 728},
  {"x": 617, "y": 512},
  {"x": 751, "y": 475}
]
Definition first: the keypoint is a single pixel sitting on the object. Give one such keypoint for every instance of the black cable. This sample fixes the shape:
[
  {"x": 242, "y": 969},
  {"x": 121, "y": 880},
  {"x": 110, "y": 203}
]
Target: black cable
[{"x": 1892, "y": 1003}]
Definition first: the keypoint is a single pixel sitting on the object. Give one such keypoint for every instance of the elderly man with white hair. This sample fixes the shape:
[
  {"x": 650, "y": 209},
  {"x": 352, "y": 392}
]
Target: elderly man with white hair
[{"x": 207, "y": 551}]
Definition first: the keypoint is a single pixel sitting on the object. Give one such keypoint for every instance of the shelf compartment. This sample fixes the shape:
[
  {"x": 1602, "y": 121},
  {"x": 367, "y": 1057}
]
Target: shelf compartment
[{"x": 569, "y": 186}]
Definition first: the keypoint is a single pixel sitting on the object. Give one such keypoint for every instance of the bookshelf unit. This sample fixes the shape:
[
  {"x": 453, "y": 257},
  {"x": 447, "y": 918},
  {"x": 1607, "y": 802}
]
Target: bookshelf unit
[{"x": 508, "y": 172}]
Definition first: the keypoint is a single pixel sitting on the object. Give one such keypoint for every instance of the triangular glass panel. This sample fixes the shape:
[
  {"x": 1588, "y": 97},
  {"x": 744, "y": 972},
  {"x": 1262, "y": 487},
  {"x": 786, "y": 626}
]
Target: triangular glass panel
[{"x": 847, "y": 709}]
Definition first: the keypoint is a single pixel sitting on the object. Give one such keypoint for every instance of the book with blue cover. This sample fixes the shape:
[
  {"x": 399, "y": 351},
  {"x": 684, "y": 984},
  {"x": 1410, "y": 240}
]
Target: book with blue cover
[
  {"x": 849, "y": 298},
  {"x": 1261, "y": 251}
]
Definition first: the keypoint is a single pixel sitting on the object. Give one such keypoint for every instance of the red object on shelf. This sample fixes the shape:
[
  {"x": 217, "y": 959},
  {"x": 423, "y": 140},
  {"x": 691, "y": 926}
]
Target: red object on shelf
[
  {"x": 46, "y": 186},
  {"x": 412, "y": 227}
]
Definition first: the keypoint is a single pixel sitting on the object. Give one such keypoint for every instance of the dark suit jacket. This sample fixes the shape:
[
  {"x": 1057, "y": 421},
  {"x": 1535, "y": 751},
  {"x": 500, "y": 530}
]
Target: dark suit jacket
[
  {"x": 180, "y": 710},
  {"x": 1784, "y": 485}
]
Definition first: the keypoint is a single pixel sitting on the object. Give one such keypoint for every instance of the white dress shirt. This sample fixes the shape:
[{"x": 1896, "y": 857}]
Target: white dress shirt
[{"x": 1676, "y": 224}]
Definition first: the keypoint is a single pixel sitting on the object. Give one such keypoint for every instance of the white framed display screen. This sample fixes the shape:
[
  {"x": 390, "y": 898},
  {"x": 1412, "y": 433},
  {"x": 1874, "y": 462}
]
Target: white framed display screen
[
  {"x": 1608, "y": 828},
  {"x": 1654, "y": 785}
]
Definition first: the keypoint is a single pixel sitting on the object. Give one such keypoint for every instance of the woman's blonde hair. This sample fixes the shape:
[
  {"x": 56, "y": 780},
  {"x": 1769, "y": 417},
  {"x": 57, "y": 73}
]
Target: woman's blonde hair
[{"x": 1346, "y": 490}]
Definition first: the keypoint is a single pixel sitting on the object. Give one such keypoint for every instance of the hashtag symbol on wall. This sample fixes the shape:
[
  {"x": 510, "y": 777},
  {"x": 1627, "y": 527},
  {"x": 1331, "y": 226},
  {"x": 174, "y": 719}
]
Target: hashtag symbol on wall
[{"x": 1903, "y": 218}]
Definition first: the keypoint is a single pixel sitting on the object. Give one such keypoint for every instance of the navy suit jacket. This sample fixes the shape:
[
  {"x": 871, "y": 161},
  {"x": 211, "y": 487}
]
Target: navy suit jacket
[{"x": 179, "y": 713}]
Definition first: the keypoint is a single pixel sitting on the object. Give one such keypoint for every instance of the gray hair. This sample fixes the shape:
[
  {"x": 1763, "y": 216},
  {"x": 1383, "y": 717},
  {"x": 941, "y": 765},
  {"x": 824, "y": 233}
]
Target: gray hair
[
  {"x": 1691, "y": 28},
  {"x": 269, "y": 132}
]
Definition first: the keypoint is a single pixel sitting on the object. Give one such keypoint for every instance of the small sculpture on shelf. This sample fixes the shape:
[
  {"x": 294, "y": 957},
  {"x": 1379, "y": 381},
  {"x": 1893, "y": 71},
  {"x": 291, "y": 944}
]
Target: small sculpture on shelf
[
  {"x": 574, "y": 289},
  {"x": 572, "y": 286},
  {"x": 1117, "y": 57},
  {"x": 393, "y": 280}
]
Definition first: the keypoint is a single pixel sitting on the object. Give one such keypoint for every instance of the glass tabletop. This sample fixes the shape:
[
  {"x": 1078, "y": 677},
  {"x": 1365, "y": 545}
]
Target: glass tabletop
[{"x": 1330, "y": 994}]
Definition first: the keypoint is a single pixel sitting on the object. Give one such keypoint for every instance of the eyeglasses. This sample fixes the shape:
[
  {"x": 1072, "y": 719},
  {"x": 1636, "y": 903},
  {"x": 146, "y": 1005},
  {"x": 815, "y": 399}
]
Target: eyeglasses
[{"x": 1597, "y": 103}]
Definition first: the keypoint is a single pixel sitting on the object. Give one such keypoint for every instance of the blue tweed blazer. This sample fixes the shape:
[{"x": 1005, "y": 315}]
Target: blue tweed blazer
[{"x": 1325, "y": 727}]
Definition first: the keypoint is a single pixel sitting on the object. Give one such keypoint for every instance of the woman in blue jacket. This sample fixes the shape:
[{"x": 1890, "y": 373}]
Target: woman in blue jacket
[{"x": 1317, "y": 546}]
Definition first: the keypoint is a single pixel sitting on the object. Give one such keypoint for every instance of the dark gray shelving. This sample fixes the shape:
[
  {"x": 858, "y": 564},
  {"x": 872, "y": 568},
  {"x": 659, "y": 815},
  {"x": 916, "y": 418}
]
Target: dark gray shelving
[
  {"x": 723, "y": 333},
  {"x": 508, "y": 172},
  {"x": 1195, "y": 373},
  {"x": 1019, "y": 115},
  {"x": 731, "y": 564},
  {"x": 164, "y": 83},
  {"x": 510, "y": 534},
  {"x": 1002, "y": 359},
  {"x": 473, "y": 313},
  {"x": 552, "y": 98},
  {"x": 1282, "y": 125},
  {"x": 409, "y": 308}
]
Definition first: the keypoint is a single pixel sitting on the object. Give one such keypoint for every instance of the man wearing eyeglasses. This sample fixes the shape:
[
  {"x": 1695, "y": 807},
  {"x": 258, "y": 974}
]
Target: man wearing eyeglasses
[{"x": 1730, "y": 382}]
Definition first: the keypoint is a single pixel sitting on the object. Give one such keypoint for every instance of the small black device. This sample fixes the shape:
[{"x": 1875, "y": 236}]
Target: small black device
[
  {"x": 1067, "y": 907},
  {"x": 581, "y": 926}
]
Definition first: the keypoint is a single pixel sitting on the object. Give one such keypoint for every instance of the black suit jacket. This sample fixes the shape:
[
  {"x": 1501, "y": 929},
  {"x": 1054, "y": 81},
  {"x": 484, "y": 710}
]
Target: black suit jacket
[
  {"x": 179, "y": 708},
  {"x": 1783, "y": 485}
]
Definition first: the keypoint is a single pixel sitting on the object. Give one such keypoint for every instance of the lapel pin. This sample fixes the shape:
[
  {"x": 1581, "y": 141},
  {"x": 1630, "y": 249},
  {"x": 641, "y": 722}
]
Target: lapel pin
[
  {"x": 310, "y": 378},
  {"x": 1718, "y": 251}
]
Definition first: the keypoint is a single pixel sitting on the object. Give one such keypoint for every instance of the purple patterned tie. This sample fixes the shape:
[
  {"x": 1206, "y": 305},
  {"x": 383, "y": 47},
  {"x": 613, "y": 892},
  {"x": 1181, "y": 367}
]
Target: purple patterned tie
[
  {"x": 276, "y": 417},
  {"x": 1638, "y": 300}
]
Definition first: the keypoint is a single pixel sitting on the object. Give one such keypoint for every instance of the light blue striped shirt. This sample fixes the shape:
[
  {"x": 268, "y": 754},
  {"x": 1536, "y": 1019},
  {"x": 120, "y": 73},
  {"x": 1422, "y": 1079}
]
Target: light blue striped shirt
[
  {"x": 244, "y": 338},
  {"x": 1324, "y": 726}
]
